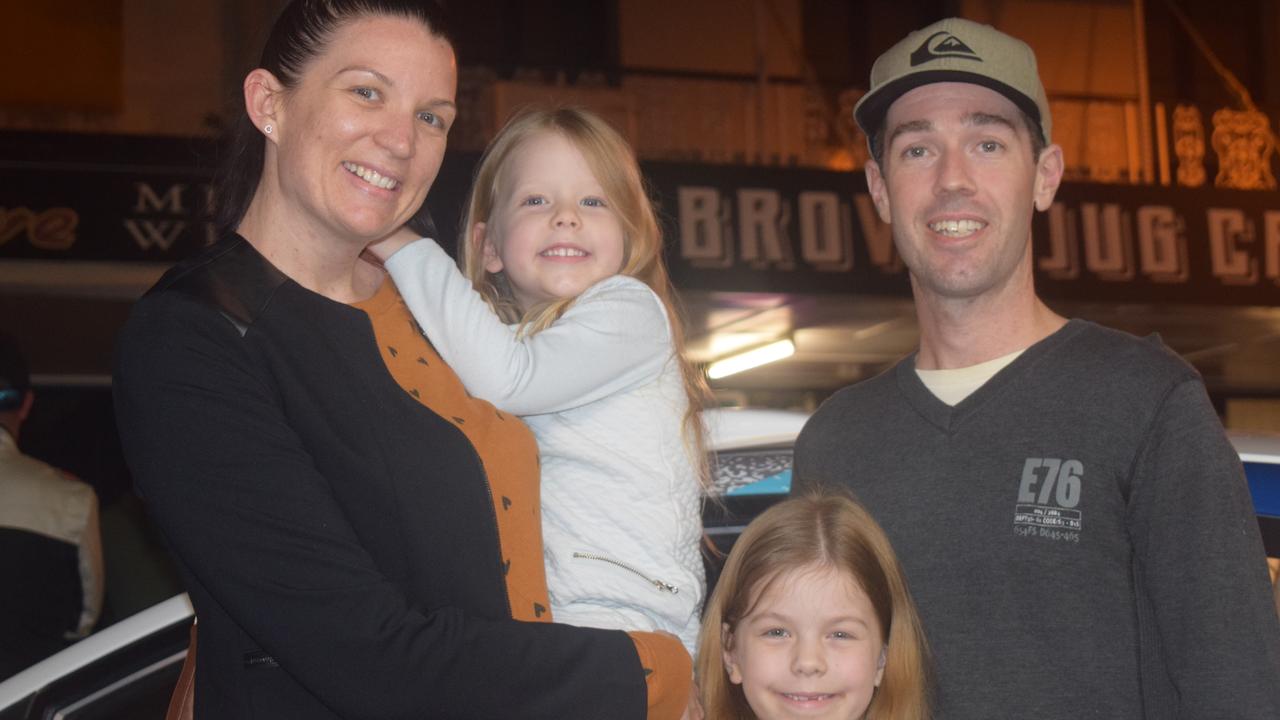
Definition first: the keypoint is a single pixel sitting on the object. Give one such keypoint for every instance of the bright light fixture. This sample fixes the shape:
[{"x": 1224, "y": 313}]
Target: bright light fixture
[{"x": 756, "y": 357}]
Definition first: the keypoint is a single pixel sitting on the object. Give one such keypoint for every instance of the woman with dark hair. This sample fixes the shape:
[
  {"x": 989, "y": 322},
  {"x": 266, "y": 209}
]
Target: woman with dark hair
[{"x": 359, "y": 537}]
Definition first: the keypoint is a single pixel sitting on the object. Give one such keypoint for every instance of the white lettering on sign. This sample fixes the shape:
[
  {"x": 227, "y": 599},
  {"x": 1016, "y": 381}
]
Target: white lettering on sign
[
  {"x": 153, "y": 230},
  {"x": 155, "y": 233},
  {"x": 1111, "y": 242},
  {"x": 1229, "y": 229},
  {"x": 826, "y": 230},
  {"x": 826, "y": 237},
  {"x": 1106, "y": 233},
  {"x": 1162, "y": 244},
  {"x": 1271, "y": 221},
  {"x": 879, "y": 236},
  {"x": 1108, "y": 249},
  {"x": 705, "y": 238},
  {"x": 150, "y": 201},
  {"x": 1063, "y": 262},
  {"x": 762, "y": 221}
]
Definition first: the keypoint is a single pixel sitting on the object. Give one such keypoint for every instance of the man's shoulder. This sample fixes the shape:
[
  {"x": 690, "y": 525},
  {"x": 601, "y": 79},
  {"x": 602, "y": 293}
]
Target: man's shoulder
[
  {"x": 881, "y": 388},
  {"x": 858, "y": 403},
  {"x": 1107, "y": 354}
]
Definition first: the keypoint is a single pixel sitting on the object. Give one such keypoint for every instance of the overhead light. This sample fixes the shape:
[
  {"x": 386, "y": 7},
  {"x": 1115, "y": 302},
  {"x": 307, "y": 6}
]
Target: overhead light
[{"x": 756, "y": 357}]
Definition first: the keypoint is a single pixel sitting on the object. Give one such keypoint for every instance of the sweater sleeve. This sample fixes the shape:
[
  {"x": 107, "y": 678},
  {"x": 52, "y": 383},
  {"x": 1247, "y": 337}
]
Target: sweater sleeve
[
  {"x": 1200, "y": 564},
  {"x": 254, "y": 523},
  {"x": 668, "y": 674},
  {"x": 615, "y": 336}
]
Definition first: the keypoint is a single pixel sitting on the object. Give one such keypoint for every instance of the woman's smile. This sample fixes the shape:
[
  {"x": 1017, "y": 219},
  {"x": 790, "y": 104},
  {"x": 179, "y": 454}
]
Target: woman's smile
[{"x": 371, "y": 176}]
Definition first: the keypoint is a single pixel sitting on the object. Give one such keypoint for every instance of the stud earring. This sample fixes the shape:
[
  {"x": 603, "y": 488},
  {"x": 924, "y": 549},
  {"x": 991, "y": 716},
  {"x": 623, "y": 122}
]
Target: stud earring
[{"x": 267, "y": 128}]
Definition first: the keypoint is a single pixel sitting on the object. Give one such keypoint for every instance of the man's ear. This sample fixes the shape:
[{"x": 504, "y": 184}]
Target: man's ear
[
  {"x": 482, "y": 241},
  {"x": 879, "y": 195},
  {"x": 1049, "y": 169},
  {"x": 263, "y": 96}
]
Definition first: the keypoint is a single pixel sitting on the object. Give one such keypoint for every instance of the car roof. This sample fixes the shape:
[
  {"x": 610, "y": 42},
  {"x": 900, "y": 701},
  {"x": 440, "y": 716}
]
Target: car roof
[
  {"x": 99, "y": 644},
  {"x": 1256, "y": 447},
  {"x": 732, "y": 428}
]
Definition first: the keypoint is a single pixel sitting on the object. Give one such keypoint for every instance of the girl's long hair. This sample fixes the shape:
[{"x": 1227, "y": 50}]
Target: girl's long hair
[
  {"x": 614, "y": 165},
  {"x": 822, "y": 530}
]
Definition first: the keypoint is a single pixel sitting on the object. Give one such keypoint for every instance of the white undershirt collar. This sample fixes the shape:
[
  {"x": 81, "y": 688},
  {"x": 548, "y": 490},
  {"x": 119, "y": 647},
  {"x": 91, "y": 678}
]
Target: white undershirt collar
[{"x": 955, "y": 384}]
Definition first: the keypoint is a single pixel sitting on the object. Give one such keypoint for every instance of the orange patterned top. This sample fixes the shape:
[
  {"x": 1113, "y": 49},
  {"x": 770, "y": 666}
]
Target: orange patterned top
[{"x": 506, "y": 448}]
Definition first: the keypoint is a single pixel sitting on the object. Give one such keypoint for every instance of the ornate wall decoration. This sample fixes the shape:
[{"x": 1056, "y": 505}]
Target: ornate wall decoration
[
  {"x": 1188, "y": 145},
  {"x": 1244, "y": 144}
]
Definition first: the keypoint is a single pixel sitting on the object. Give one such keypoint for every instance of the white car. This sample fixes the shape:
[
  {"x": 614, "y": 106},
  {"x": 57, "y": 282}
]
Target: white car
[
  {"x": 1261, "y": 457},
  {"x": 127, "y": 671},
  {"x": 123, "y": 672}
]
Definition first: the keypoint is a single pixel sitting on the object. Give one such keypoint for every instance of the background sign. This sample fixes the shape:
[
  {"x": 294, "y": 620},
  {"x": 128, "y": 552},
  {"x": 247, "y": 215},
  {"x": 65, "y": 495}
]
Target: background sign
[
  {"x": 730, "y": 228},
  {"x": 791, "y": 230}
]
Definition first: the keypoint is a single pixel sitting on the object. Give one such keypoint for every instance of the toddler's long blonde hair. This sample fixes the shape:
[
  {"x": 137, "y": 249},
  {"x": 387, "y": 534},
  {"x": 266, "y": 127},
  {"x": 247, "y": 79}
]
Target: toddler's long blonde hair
[
  {"x": 816, "y": 530},
  {"x": 614, "y": 165}
]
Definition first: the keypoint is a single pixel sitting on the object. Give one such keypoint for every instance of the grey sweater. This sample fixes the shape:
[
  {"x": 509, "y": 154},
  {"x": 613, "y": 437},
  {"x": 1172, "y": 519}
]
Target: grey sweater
[{"x": 1077, "y": 533}]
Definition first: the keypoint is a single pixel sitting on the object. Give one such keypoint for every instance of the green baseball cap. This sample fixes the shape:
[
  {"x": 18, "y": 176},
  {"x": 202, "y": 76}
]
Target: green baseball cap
[{"x": 955, "y": 50}]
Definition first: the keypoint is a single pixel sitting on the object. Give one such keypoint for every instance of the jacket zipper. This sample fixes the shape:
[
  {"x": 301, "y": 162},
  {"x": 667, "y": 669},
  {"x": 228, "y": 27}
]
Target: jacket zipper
[{"x": 659, "y": 584}]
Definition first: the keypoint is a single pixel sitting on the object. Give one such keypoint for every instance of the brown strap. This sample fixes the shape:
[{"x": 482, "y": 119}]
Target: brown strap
[{"x": 182, "y": 704}]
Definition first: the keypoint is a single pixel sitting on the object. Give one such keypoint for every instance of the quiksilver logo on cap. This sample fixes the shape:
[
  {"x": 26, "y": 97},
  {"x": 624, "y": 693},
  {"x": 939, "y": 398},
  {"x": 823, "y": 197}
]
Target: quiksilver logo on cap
[{"x": 942, "y": 44}]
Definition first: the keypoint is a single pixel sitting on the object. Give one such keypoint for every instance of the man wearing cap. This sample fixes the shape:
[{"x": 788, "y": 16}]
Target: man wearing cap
[
  {"x": 50, "y": 549},
  {"x": 1075, "y": 527}
]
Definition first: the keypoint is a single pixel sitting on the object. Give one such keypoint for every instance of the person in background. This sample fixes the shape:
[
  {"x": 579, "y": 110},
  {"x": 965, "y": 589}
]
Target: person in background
[
  {"x": 360, "y": 537},
  {"x": 565, "y": 317},
  {"x": 812, "y": 618},
  {"x": 51, "y": 574},
  {"x": 1075, "y": 525}
]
